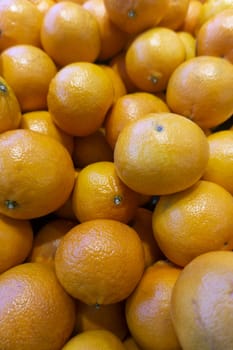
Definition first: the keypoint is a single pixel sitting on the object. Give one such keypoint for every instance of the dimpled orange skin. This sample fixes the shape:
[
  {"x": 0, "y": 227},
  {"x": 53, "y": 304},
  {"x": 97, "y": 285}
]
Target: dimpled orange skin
[
  {"x": 37, "y": 174},
  {"x": 35, "y": 311},
  {"x": 100, "y": 261}
]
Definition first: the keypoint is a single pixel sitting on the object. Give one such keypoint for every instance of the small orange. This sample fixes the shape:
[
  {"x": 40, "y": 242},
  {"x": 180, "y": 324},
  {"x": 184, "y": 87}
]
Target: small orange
[
  {"x": 37, "y": 174},
  {"x": 91, "y": 149},
  {"x": 148, "y": 308},
  {"x": 136, "y": 16},
  {"x": 192, "y": 16},
  {"x": 43, "y": 5},
  {"x": 100, "y": 261},
  {"x": 215, "y": 37},
  {"x": 42, "y": 122},
  {"x": 35, "y": 311},
  {"x": 201, "y": 303},
  {"x": 212, "y": 102},
  {"x": 20, "y": 23},
  {"x": 152, "y": 57},
  {"x": 16, "y": 238},
  {"x": 175, "y": 14},
  {"x": 47, "y": 240},
  {"x": 190, "y": 223},
  {"x": 110, "y": 317},
  {"x": 74, "y": 98},
  {"x": 161, "y": 153},
  {"x": 128, "y": 108},
  {"x": 118, "y": 84},
  {"x": 100, "y": 194},
  {"x": 220, "y": 166},
  {"x": 70, "y": 33},
  {"x": 189, "y": 43},
  {"x": 28, "y": 70}
]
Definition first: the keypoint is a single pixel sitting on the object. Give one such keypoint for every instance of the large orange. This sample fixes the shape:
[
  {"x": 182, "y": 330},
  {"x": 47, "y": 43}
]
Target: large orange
[
  {"x": 37, "y": 174},
  {"x": 79, "y": 97},
  {"x": 193, "y": 222},
  {"x": 201, "y": 303},
  {"x": 35, "y": 311},
  {"x": 100, "y": 261},
  {"x": 161, "y": 153},
  {"x": 69, "y": 33},
  {"x": 201, "y": 90},
  {"x": 28, "y": 70},
  {"x": 148, "y": 308}
]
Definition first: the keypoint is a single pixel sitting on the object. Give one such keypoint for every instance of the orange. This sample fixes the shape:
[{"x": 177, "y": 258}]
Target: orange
[
  {"x": 110, "y": 317},
  {"x": 215, "y": 37},
  {"x": 16, "y": 238},
  {"x": 91, "y": 149},
  {"x": 193, "y": 222},
  {"x": 28, "y": 70},
  {"x": 79, "y": 97},
  {"x": 192, "y": 16},
  {"x": 148, "y": 308},
  {"x": 112, "y": 38},
  {"x": 152, "y": 57},
  {"x": 212, "y": 102},
  {"x": 161, "y": 153},
  {"x": 35, "y": 311},
  {"x": 10, "y": 112},
  {"x": 70, "y": 33},
  {"x": 130, "y": 344},
  {"x": 142, "y": 224},
  {"x": 42, "y": 122},
  {"x": 201, "y": 304},
  {"x": 175, "y": 14},
  {"x": 37, "y": 174},
  {"x": 20, "y": 23},
  {"x": 189, "y": 43},
  {"x": 136, "y": 16},
  {"x": 128, "y": 108},
  {"x": 100, "y": 194},
  {"x": 220, "y": 166},
  {"x": 118, "y": 84},
  {"x": 95, "y": 340},
  {"x": 47, "y": 240},
  {"x": 43, "y": 5},
  {"x": 100, "y": 261}
]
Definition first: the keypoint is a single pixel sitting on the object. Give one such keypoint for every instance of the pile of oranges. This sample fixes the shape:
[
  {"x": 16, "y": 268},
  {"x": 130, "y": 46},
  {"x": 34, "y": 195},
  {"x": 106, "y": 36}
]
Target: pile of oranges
[{"x": 116, "y": 174}]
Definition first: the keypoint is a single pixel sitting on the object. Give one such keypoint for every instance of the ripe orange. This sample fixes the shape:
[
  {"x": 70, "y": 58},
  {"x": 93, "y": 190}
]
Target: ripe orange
[
  {"x": 100, "y": 261},
  {"x": 100, "y": 194},
  {"x": 28, "y": 70},
  {"x": 75, "y": 101},
  {"x": 212, "y": 102},
  {"x": 148, "y": 308},
  {"x": 35, "y": 311},
  {"x": 110, "y": 317},
  {"x": 136, "y": 16},
  {"x": 33, "y": 181},
  {"x": 192, "y": 16},
  {"x": 95, "y": 340},
  {"x": 175, "y": 14},
  {"x": 70, "y": 33},
  {"x": 191, "y": 223},
  {"x": 201, "y": 304},
  {"x": 16, "y": 238},
  {"x": 152, "y": 57},
  {"x": 220, "y": 166},
  {"x": 47, "y": 240},
  {"x": 118, "y": 84},
  {"x": 41, "y": 121},
  {"x": 215, "y": 37},
  {"x": 128, "y": 108},
  {"x": 20, "y": 23},
  {"x": 161, "y": 153},
  {"x": 189, "y": 43}
]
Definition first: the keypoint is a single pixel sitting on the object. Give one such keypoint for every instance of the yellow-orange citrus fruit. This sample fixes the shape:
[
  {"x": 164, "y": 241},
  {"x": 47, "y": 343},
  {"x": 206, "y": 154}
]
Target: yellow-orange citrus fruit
[
  {"x": 100, "y": 261},
  {"x": 79, "y": 97},
  {"x": 148, "y": 308},
  {"x": 35, "y": 311},
  {"x": 69, "y": 33},
  {"x": 190, "y": 223},
  {"x": 192, "y": 16},
  {"x": 212, "y": 102},
  {"x": 16, "y": 238},
  {"x": 161, "y": 153},
  {"x": 118, "y": 84},
  {"x": 37, "y": 174},
  {"x": 201, "y": 303},
  {"x": 175, "y": 14},
  {"x": 189, "y": 43}
]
